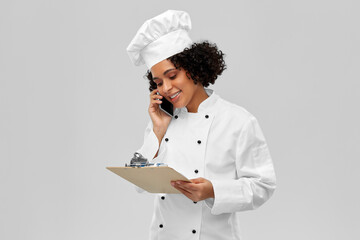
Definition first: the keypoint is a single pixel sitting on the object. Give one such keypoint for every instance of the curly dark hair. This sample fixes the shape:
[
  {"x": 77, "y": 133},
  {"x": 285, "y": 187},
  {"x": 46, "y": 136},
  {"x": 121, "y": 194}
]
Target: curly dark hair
[{"x": 203, "y": 61}]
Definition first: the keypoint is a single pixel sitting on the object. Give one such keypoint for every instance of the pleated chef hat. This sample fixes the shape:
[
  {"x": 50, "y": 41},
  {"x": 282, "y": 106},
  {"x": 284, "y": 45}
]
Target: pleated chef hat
[{"x": 160, "y": 37}]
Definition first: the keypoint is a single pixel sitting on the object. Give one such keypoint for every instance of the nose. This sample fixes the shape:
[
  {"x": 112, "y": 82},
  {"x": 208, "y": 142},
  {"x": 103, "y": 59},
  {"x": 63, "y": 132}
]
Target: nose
[{"x": 167, "y": 86}]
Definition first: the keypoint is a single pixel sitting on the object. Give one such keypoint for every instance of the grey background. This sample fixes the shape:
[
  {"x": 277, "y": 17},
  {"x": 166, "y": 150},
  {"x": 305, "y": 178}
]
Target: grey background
[{"x": 71, "y": 104}]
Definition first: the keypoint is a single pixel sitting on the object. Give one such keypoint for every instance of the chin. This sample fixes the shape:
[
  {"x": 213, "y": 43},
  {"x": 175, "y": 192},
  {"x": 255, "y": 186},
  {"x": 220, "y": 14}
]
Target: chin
[{"x": 178, "y": 105}]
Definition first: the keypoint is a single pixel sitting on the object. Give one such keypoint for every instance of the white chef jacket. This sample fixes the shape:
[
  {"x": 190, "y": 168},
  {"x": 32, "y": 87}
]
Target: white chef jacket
[{"x": 223, "y": 143}]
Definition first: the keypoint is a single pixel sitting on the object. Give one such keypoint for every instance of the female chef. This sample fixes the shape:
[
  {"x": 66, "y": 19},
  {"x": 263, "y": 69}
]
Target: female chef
[{"x": 216, "y": 144}]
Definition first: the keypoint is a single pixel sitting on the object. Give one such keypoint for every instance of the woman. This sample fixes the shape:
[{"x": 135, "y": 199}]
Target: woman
[{"x": 216, "y": 144}]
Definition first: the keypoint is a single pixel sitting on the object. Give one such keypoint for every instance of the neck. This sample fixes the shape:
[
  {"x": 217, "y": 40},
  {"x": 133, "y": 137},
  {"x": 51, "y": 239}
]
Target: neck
[{"x": 199, "y": 96}]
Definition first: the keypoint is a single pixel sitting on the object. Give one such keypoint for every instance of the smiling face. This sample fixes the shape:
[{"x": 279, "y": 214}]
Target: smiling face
[{"x": 175, "y": 86}]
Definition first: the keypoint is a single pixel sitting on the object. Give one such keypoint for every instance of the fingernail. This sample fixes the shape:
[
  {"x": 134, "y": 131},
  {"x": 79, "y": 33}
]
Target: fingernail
[
  {"x": 178, "y": 182},
  {"x": 172, "y": 184}
]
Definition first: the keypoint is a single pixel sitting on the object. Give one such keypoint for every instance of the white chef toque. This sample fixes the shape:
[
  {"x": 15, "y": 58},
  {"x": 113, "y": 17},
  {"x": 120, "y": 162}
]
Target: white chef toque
[{"x": 160, "y": 37}]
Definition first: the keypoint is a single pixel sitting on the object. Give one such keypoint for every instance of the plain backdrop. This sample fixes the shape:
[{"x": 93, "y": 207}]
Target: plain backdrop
[{"x": 71, "y": 103}]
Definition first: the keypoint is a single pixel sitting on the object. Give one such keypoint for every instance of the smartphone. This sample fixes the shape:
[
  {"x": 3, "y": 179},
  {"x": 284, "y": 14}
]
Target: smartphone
[{"x": 167, "y": 107}]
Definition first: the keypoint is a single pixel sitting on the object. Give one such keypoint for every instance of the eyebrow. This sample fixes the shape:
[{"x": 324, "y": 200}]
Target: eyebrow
[{"x": 165, "y": 73}]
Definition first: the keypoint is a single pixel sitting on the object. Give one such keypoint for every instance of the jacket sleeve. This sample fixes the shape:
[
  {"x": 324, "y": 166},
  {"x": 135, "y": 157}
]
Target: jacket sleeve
[
  {"x": 256, "y": 179},
  {"x": 150, "y": 145},
  {"x": 149, "y": 148}
]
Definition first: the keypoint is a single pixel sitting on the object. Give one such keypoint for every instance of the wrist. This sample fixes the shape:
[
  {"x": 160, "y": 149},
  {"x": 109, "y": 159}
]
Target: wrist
[
  {"x": 160, "y": 133},
  {"x": 211, "y": 190}
]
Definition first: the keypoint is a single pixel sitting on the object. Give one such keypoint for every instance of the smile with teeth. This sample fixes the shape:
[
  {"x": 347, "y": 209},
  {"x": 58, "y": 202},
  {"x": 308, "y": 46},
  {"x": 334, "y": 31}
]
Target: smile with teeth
[{"x": 175, "y": 95}]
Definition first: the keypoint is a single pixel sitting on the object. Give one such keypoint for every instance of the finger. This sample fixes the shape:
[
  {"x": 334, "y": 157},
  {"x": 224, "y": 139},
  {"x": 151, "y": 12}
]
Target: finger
[
  {"x": 190, "y": 187},
  {"x": 181, "y": 182},
  {"x": 155, "y": 102},
  {"x": 182, "y": 187},
  {"x": 177, "y": 186},
  {"x": 197, "y": 180},
  {"x": 186, "y": 193},
  {"x": 153, "y": 92},
  {"x": 156, "y": 99},
  {"x": 156, "y": 96},
  {"x": 187, "y": 187}
]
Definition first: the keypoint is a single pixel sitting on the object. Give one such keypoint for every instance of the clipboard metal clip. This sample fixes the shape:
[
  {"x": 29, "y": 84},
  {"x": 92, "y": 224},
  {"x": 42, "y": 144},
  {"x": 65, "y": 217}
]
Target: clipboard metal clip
[{"x": 139, "y": 161}]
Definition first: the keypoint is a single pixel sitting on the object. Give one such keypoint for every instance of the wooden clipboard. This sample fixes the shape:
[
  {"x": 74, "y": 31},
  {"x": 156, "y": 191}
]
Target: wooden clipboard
[{"x": 151, "y": 179}]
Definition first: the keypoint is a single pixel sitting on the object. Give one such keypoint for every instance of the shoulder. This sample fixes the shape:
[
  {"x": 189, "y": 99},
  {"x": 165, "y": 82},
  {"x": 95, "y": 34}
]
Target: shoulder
[
  {"x": 226, "y": 109},
  {"x": 236, "y": 119}
]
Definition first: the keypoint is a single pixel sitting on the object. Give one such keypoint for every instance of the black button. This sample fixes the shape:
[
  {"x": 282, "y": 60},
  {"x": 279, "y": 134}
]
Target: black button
[
  {"x": 176, "y": 116},
  {"x": 193, "y": 231},
  {"x": 166, "y": 139},
  {"x": 161, "y": 226},
  {"x": 206, "y": 116},
  {"x": 196, "y": 171},
  {"x": 195, "y": 202},
  {"x": 199, "y": 142},
  {"x": 162, "y": 197}
]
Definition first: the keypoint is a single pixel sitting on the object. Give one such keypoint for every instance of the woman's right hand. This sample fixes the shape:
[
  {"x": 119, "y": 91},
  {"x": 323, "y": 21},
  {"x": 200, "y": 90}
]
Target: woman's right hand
[{"x": 159, "y": 119}]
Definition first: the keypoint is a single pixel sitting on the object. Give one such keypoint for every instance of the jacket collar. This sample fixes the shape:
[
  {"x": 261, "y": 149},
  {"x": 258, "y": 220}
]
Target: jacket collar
[{"x": 204, "y": 105}]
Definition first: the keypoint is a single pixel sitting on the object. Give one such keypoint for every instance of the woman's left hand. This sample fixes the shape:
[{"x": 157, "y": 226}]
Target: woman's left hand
[{"x": 198, "y": 189}]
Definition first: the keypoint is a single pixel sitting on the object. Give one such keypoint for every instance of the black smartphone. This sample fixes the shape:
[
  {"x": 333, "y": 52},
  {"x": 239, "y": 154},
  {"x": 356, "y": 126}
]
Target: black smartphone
[{"x": 167, "y": 107}]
